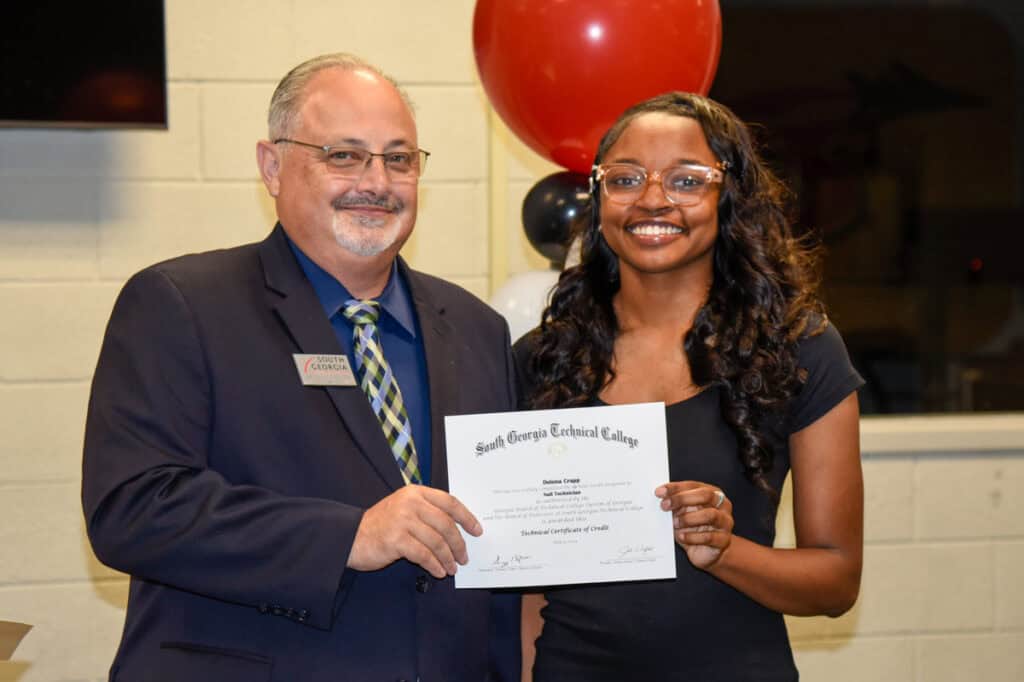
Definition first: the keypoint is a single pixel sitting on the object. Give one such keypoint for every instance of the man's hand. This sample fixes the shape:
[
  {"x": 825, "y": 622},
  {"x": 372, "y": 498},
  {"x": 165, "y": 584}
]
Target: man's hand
[{"x": 415, "y": 523}]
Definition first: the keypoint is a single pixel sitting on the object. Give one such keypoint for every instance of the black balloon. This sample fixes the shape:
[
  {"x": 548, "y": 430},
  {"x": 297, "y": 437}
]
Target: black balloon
[{"x": 553, "y": 210}]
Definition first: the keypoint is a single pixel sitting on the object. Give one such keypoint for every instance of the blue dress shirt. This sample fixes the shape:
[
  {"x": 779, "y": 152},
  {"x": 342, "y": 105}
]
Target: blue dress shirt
[{"x": 399, "y": 338}]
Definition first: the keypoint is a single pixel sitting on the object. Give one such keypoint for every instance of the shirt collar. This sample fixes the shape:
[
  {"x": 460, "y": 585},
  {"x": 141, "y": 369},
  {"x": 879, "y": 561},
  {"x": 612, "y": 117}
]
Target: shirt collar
[{"x": 394, "y": 300}]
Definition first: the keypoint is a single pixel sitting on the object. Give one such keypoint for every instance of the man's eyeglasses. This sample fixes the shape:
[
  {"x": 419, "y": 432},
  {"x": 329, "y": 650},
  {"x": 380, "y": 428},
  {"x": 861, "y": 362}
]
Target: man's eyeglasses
[
  {"x": 684, "y": 185},
  {"x": 351, "y": 162}
]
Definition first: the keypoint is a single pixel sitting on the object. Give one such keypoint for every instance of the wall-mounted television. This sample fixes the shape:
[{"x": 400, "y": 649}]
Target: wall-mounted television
[{"x": 82, "y": 64}]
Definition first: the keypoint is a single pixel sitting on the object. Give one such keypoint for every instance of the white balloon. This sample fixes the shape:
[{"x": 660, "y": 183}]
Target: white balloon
[{"x": 522, "y": 299}]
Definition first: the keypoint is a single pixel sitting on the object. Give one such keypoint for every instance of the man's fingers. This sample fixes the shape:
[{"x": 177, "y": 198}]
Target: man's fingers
[
  {"x": 438, "y": 531},
  {"x": 421, "y": 555},
  {"x": 416, "y": 523},
  {"x": 451, "y": 506},
  {"x": 431, "y": 523},
  {"x": 437, "y": 545}
]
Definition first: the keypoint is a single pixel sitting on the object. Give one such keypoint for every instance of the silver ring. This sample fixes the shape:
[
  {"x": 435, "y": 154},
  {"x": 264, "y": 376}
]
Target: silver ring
[{"x": 719, "y": 498}]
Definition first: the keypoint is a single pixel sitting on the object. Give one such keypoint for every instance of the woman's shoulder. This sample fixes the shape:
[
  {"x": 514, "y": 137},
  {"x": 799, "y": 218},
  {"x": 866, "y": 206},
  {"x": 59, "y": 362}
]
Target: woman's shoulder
[
  {"x": 828, "y": 374},
  {"x": 821, "y": 343}
]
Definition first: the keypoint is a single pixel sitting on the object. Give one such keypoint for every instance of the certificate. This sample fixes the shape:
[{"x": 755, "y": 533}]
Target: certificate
[{"x": 564, "y": 496}]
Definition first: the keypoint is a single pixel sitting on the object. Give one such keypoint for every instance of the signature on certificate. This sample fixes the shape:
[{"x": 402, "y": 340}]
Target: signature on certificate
[
  {"x": 634, "y": 550},
  {"x": 513, "y": 560}
]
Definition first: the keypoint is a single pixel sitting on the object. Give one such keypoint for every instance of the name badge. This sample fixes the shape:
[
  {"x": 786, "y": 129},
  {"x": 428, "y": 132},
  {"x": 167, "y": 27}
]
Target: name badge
[{"x": 324, "y": 370}]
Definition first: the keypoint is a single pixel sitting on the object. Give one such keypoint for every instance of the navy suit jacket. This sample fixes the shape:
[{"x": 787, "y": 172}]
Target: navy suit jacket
[{"x": 231, "y": 493}]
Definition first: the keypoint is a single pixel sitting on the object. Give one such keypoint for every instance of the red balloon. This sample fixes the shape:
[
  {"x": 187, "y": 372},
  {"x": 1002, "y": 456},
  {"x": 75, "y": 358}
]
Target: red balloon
[{"x": 559, "y": 72}]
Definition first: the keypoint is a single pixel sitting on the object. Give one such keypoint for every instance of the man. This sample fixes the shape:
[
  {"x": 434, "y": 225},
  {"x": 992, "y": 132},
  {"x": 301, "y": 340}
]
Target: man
[{"x": 236, "y": 467}]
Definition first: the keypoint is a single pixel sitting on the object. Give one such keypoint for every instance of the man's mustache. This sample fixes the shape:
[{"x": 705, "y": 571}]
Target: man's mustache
[{"x": 387, "y": 202}]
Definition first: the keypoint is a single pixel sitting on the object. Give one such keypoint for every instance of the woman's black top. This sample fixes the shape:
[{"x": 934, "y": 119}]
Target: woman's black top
[{"x": 694, "y": 627}]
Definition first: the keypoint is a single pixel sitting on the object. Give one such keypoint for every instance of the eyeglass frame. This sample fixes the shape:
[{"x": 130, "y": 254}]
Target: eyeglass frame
[
  {"x": 715, "y": 176},
  {"x": 423, "y": 155}
]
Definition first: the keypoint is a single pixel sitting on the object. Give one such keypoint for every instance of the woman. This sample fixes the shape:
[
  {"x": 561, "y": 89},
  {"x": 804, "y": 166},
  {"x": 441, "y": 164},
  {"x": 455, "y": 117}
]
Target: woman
[{"x": 693, "y": 291}]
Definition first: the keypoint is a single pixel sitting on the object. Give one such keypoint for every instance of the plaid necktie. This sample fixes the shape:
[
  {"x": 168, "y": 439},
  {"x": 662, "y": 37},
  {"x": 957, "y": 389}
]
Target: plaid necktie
[{"x": 380, "y": 385}]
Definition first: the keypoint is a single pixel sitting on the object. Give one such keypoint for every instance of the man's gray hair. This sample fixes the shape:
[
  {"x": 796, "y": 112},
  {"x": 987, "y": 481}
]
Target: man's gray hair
[{"x": 287, "y": 97}]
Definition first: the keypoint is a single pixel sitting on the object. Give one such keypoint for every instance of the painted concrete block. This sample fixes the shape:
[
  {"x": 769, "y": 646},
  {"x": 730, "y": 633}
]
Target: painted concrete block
[
  {"x": 970, "y": 497},
  {"x": 76, "y": 630},
  {"x": 956, "y": 583},
  {"x": 231, "y": 39},
  {"x": 856, "y": 660},
  {"x": 888, "y": 499},
  {"x": 234, "y": 118},
  {"x": 474, "y": 285},
  {"x": 48, "y": 228},
  {"x": 157, "y": 221},
  {"x": 451, "y": 237},
  {"x": 1009, "y": 599},
  {"x": 415, "y": 42},
  {"x": 968, "y": 658},
  {"x": 451, "y": 121},
  {"x": 52, "y": 331},
  {"x": 42, "y": 426},
  {"x": 45, "y": 523}
]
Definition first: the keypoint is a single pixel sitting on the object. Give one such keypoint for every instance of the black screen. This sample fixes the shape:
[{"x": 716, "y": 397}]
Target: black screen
[{"x": 83, "y": 64}]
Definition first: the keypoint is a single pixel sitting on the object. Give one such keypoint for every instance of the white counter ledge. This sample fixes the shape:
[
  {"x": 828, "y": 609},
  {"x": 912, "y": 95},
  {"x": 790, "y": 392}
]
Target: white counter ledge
[{"x": 942, "y": 433}]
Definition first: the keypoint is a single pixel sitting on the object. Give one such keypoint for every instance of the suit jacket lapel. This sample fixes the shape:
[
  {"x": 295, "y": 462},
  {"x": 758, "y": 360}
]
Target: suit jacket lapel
[
  {"x": 300, "y": 312},
  {"x": 442, "y": 369}
]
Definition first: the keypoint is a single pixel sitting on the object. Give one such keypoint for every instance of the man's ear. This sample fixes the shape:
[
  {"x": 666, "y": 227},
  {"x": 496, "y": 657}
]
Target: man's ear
[{"x": 268, "y": 158}]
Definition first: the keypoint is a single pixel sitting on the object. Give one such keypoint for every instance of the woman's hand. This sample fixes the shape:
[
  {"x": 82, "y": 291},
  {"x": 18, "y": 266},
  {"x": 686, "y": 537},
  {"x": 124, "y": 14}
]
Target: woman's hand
[{"x": 701, "y": 517}]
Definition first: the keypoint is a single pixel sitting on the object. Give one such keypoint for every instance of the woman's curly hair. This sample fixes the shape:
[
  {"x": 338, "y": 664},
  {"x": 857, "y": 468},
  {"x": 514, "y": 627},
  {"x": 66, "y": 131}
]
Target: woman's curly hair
[{"x": 744, "y": 338}]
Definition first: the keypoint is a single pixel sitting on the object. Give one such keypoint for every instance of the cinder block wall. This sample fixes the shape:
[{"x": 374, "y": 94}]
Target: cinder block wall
[
  {"x": 80, "y": 211},
  {"x": 941, "y": 597}
]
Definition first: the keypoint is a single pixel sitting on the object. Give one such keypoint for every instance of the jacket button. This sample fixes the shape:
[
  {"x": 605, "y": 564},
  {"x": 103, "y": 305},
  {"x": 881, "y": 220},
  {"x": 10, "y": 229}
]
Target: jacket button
[{"x": 422, "y": 584}]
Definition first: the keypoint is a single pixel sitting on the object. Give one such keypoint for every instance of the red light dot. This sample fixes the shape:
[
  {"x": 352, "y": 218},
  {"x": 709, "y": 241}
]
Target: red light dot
[{"x": 976, "y": 264}]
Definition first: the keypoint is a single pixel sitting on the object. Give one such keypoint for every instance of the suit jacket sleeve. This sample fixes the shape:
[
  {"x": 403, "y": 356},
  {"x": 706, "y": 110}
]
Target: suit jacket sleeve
[{"x": 153, "y": 506}]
